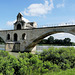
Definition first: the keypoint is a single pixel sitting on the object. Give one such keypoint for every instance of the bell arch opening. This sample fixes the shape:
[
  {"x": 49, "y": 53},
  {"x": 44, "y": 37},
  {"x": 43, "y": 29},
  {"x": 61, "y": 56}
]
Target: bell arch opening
[
  {"x": 15, "y": 37},
  {"x": 18, "y": 27}
]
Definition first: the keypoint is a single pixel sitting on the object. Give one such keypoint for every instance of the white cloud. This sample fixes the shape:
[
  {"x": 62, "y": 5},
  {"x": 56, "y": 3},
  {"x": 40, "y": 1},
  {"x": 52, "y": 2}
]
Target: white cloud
[
  {"x": 39, "y": 9},
  {"x": 10, "y": 23},
  {"x": 61, "y": 4}
]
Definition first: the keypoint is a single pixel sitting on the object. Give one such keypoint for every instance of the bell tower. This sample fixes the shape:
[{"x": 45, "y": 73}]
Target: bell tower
[
  {"x": 20, "y": 23},
  {"x": 19, "y": 17}
]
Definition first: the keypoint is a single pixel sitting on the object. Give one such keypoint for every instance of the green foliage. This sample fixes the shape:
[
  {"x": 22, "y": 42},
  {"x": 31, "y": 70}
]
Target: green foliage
[
  {"x": 48, "y": 61},
  {"x": 51, "y": 40},
  {"x": 67, "y": 40},
  {"x": 3, "y": 53},
  {"x": 63, "y": 57}
]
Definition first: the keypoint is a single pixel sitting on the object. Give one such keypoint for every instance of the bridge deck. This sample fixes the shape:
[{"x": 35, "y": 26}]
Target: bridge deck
[{"x": 41, "y": 28}]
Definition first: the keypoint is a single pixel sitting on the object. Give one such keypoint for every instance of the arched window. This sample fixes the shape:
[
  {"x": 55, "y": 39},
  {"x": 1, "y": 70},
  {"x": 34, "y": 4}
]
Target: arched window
[
  {"x": 8, "y": 36},
  {"x": 18, "y": 27},
  {"x": 23, "y": 36},
  {"x": 15, "y": 37}
]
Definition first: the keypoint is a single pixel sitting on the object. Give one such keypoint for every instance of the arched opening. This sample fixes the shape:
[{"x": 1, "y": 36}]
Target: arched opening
[
  {"x": 15, "y": 37},
  {"x": 59, "y": 36},
  {"x": 45, "y": 36},
  {"x": 65, "y": 37},
  {"x": 56, "y": 40},
  {"x": 2, "y": 44},
  {"x": 18, "y": 27},
  {"x": 23, "y": 36},
  {"x": 8, "y": 36}
]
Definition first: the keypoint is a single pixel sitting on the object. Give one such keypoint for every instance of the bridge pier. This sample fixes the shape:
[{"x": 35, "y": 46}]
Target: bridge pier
[
  {"x": 12, "y": 47},
  {"x": 17, "y": 47},
  {"x": 32, "y": 50}
]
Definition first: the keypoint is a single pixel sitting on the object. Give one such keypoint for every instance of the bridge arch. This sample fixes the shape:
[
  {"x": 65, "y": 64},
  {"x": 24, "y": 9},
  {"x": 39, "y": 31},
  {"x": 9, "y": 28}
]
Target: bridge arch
[{"x": 39, "y": 38}]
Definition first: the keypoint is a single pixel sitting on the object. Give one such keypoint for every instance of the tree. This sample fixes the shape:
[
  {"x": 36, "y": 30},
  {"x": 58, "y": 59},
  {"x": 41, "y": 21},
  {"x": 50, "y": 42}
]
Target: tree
[
  {"x": 44, "y": 41},
  {"x": 51, "y": 40},
  {"x": 67, "y": 40}
]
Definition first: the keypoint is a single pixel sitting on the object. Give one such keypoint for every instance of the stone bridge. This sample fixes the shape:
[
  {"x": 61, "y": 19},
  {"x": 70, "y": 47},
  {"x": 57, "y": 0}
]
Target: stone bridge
[{"x": 25, "y": 36}]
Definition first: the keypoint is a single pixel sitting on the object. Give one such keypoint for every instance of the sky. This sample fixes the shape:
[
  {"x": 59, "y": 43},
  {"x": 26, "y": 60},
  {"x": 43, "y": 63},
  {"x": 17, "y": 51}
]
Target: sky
[{"x": 44, "y": 12}]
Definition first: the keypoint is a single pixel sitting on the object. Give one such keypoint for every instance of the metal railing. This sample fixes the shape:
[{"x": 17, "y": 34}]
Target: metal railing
[{"x": 53, "y": 25}]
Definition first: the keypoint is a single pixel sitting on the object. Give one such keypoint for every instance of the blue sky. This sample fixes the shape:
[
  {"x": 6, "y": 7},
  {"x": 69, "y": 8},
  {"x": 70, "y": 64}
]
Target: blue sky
[{"x": 41, "y": 11}]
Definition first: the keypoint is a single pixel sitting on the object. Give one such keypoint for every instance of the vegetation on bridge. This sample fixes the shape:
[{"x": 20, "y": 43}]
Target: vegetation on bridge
[
  {"x": 49, "y": 62},
  {"x": 58, "y": 42}
]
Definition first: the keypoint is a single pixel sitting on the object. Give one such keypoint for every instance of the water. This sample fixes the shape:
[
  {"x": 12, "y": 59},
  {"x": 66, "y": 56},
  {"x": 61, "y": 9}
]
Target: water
[
  {"x": 2, "y": 47},
  {"x": 40, "y": 48}
]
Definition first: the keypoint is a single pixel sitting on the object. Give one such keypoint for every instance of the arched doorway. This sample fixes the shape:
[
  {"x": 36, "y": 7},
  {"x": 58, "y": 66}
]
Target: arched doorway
[
  {"x": 15, "y": 37},
  {"x": 8, "y": 36},
  {"x": 18, "y": 27}
]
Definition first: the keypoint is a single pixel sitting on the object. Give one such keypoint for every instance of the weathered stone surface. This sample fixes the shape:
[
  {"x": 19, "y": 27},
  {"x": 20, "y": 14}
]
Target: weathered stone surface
[
  {"x": 26, "y": 38},
  {"x": 33, "y": 36}
]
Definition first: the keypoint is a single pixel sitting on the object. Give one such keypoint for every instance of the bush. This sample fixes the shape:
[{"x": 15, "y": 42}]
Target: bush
[
  {"x": 63, "y": 57},
  {"x": 50, "y": 60}
]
